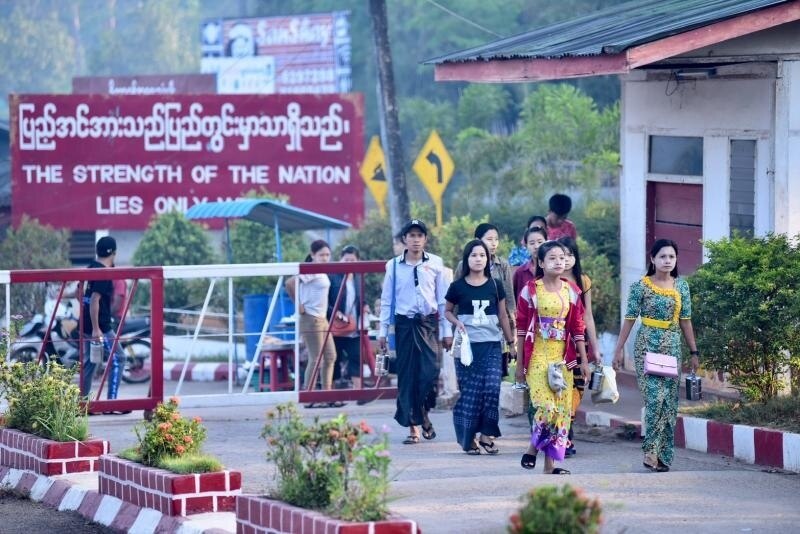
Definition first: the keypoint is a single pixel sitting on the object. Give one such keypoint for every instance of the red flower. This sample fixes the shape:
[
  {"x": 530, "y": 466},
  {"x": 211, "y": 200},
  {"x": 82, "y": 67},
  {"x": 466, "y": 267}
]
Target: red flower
[
  {"x": 365, "y": 428},
  {"x": 197, "y": 419},
  {"x": 180, "y": 449},
  {"x": 187, "y": 439}
]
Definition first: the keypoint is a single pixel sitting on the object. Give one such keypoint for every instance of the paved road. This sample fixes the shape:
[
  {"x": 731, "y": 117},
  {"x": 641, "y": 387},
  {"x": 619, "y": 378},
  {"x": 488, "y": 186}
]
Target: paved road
[
  {"x": 23, "y": 516},
  {"x": 448, "y": 491}
]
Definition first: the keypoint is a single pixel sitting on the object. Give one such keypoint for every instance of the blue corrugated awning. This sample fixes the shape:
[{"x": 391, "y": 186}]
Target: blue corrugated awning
[
  {"x": 609, "y": 31},
  {"x": 267, "y": 212}
]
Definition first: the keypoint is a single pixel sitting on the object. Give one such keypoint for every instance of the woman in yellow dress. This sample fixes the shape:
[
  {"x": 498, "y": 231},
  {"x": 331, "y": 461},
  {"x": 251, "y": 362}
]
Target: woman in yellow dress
[{"x": 549, "y": 317}]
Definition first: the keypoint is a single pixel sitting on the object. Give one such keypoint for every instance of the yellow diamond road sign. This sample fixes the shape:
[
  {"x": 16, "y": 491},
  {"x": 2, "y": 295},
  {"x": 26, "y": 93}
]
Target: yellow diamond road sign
[
  {"x": 373, "y": 172},
  {"x": 434, "y": 166}
]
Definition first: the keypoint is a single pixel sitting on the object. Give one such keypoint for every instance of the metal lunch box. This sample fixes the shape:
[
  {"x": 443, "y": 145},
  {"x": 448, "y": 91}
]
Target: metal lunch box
[
  {"x": 694, "y": 387},
  {"x": 596, "y": 381}
]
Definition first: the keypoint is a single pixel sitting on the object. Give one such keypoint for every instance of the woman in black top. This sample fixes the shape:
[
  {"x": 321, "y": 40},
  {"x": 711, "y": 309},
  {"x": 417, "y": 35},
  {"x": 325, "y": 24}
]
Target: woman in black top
[{"x": 481, "y": 305}]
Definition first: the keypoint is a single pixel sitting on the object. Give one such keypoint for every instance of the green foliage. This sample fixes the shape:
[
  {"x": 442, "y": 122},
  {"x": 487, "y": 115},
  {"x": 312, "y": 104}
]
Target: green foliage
[
  {"x": 483, "y": 106},
  {"x": 605, "y": 287},
  {"x": 186, "y": 464},
  {"x": 334, "y": 466},
  {"x": 42, "y": 399},
  {"x": 746, "y": 310},
  {"x": 556, "y": 509},
  {"x": 168, "y": 435},
  {"x": 171, "y": 239},
  {"x": 598, "y": 223},
  {"x": 452, "y": 236},
  {"x": 32, "y": 246},
  {"x": 563, "y": 142},
  {"x": 252, "y": 242}
]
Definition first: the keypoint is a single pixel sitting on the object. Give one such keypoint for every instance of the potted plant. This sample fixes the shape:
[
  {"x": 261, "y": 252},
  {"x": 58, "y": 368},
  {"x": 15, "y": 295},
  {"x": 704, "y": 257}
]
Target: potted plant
[
  {"x": 331, "y": 476},
  {"x": 45, "y": 428},
  {"x": 167, "y": 470},
  {"x": 556, "y": 509}
]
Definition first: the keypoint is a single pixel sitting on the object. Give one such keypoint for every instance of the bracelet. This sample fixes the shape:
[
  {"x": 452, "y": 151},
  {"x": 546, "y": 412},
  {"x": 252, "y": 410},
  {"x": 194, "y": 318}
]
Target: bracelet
[{"x": 694, "y": 353}]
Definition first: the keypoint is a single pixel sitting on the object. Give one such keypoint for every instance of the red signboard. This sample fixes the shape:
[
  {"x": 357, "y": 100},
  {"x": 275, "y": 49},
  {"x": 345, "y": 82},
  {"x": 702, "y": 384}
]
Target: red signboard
[
  {"x": 146, "y": 84},
  {"x": 87, "y": 162}
]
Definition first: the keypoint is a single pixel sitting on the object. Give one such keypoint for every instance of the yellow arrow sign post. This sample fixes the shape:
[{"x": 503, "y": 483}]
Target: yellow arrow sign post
[
  {"x": 434, "y": 167},
  {"x": 373, "y": 173}
]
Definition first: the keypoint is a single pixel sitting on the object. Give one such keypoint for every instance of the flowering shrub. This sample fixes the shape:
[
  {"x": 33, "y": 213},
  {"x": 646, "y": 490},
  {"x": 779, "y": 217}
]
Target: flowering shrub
[
  {"x": 335, "y": 466},
  {"x": 42, "y": 400},
  {"x": 556, "y": 509},
  {"x": 168, "y": 435}
]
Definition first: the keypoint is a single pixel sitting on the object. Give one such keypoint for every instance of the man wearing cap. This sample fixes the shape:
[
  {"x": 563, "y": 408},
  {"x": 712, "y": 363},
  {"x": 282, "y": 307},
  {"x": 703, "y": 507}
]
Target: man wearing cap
[
  {"x": 414, "y": 288},
  {"x": 96, "y": 318}
]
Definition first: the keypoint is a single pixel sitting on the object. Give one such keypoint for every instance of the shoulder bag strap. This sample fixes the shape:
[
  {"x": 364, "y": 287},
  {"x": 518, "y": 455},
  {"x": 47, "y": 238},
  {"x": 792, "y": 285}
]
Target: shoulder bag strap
[{"x": 394, "y": 291}]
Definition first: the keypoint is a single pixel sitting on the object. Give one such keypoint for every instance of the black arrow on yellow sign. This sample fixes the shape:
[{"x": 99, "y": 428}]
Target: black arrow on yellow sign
[
  {"x": 434, "y": 160},
  {"x": 378, "y": 174}
]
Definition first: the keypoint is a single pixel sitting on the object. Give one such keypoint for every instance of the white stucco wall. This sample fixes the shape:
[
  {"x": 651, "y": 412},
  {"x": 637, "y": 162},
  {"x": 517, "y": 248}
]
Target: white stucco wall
[{"x": 758, "y": 101}]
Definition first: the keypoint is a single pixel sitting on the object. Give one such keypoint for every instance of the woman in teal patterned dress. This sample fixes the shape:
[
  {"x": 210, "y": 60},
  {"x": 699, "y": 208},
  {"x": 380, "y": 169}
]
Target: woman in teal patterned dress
[{"x": 662, "y": 300}]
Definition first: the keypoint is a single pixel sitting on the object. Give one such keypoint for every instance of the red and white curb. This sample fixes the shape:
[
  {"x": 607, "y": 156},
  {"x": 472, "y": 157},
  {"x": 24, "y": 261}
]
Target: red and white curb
[
  {"x": 60, "y": 493},
  {"x": 751, "y": 445},
  {"x": 197, "y": 372}
]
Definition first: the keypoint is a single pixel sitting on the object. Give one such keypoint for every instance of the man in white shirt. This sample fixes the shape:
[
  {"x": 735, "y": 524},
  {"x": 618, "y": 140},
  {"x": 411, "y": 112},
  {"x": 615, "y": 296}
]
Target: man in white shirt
[{"x": 412, "y": 300}]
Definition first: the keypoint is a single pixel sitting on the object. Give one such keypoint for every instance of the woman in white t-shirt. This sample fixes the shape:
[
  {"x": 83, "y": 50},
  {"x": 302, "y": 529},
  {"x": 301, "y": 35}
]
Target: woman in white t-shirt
[{"x": 313, "y": 323}]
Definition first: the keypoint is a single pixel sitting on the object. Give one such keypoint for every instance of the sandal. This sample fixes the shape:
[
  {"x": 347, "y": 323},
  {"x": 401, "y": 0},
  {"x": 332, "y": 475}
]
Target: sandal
[
  {"x": 662, "y": 467},
  {"x": 528, "y": 461},
  {"x": 650, "y": 462},
  {"x": 428, "y": 433},
  {"x": 474, "y": 451},
  {"x": 490, "y": 447},
  {"x": 411, "y": 439},
  {"x": 560, "y": 471}
]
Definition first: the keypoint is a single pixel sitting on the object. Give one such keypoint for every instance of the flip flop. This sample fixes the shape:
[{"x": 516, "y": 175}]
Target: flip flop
[
  {"x": 490, "y": 447},
  {"x": 662, "y": 467},
  {"x": 560, "y": 471},
  {"x": 528, "y": 461},
  {"x": 474, "y": 451},
  {"x": 428, "y": 433},
  {"x": 411, "y": 440}
]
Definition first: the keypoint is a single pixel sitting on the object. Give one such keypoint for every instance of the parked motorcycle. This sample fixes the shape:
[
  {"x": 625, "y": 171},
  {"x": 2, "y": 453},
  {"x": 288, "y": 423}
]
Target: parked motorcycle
[{"x": 62, "y": 344}]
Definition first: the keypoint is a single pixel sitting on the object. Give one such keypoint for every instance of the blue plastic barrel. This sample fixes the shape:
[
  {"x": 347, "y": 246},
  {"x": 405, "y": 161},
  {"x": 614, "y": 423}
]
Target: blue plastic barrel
[{"x": 255, "y": 311}]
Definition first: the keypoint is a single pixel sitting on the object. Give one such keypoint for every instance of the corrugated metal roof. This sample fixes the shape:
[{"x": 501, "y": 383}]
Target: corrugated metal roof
[
  {"x": 610, "y": 31},
  {"x": 265, "y": 211}
]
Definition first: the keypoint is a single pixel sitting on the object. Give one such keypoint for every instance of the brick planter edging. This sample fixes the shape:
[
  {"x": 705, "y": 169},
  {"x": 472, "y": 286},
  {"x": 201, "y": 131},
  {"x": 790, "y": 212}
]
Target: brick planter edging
[
  {"x": 170, "y": 493},
  {"x": 21, "y": 450},
  {"x": 62, "y": 495},
  {"x": 261, "y": 515}
]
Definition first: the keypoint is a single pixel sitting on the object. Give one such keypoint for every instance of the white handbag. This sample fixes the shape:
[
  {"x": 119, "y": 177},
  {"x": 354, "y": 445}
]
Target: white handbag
[
  {"x": 608, "y": 391},
  {"x": 462, "y": 349}
]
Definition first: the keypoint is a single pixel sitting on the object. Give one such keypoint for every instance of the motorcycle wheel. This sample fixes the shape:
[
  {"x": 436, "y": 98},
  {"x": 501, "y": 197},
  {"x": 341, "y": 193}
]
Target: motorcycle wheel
[
  {"x": 136, "y": 354},
  {"x": 24, "y": 355}
]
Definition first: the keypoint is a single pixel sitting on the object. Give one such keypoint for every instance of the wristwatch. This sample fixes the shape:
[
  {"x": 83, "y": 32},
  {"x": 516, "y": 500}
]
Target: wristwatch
[{"x": 694, "y": 353}]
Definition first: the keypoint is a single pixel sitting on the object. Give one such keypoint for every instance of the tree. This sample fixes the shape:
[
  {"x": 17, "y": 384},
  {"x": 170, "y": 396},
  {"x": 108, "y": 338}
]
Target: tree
[
  {"x": 484, "y": 106},
  {"x": 171, "y": 239},
  {"x": 746, "y": 309},
  {"x": 252, "y": 242},
  {"x": 32, "y": 246}
]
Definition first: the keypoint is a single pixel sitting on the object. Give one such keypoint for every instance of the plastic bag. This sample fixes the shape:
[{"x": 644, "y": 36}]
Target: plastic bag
[
  {"x": 608, "y": 392},
  {"x": 555, "y": 378},
  {"x": 462, "y": 349}
]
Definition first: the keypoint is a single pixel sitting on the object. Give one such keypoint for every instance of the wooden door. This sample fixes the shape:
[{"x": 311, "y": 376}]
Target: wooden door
[{"x": 675, "y": 211}]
